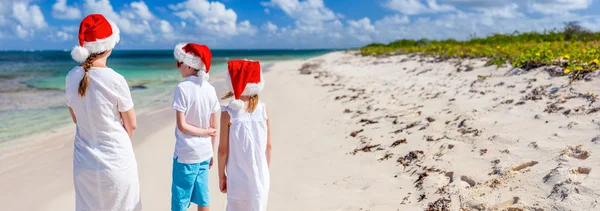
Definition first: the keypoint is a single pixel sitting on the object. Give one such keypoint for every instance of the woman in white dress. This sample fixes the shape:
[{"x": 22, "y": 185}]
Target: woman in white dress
[
  {"x": 245, "y": 145},
  {"x": 104, "y": 166}
]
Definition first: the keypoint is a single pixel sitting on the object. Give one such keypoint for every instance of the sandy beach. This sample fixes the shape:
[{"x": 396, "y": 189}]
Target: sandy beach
[{"x": 363, "y": 133}]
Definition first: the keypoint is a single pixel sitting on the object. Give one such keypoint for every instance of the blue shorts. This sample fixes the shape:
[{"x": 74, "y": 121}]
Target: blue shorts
[{"x": 190, "y": 184}]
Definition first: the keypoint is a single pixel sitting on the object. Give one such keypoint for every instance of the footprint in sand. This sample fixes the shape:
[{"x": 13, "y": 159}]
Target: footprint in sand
[
  {"x": 468, "y": 180},
  {"x": 581, "y": 170},
  {"x": 576, "y": 152}
]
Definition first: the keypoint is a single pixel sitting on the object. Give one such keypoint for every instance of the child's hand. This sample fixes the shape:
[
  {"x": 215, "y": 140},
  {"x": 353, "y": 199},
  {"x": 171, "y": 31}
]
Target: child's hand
[
  {"x": 223, "y": 184},
  {"x": 211, "y": 132},
  {"x": 211, "y": 163}
]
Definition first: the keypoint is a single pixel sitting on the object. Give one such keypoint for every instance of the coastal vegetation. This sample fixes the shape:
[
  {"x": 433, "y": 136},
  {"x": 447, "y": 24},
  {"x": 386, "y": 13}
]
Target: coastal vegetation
[{"x": 573, "y": 48}]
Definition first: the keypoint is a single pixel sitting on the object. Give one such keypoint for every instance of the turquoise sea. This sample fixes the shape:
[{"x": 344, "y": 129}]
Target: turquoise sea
[{"x": 32, "y": 83}]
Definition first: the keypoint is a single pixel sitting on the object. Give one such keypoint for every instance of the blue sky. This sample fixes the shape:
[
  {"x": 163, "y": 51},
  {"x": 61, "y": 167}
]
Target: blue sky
[{"x": 290, "y": 24}]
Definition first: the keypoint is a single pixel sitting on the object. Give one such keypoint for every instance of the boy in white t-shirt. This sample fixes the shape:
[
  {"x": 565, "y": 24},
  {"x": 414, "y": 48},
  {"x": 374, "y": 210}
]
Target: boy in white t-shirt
[{"x": 196, "y": 105}]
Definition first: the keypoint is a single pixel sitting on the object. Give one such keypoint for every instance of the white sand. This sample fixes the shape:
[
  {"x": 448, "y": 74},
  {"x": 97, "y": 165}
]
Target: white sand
[{"x": 506, "y": 158}]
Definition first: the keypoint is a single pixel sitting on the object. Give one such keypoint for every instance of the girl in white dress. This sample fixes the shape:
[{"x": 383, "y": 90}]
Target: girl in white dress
[
  {"x": 104, "y": 167},
  {"x": 245, "y": 145}
]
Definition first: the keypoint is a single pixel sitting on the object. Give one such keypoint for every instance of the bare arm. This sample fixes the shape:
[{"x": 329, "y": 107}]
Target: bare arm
[
  {"x": 223, "y": 150},
  {"x": 214, "y": 124},
  {"x": 129, "y": 121},
  {"x": 184, "y": 127},
  {"x": 73, "y": 115},
  {"x": 268, "y": 150}
]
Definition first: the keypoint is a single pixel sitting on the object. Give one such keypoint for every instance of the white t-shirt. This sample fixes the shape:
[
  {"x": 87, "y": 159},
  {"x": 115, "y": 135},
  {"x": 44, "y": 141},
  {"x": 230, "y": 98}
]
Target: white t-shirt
[{"x": 198, "y": 100}]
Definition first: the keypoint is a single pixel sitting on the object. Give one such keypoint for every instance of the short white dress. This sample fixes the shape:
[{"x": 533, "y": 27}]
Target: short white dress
[
  {"x": 104, "y": 166},
  {"x": 248, "y": 176}
]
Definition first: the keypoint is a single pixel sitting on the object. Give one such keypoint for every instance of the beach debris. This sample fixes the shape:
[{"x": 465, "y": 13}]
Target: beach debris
[
  {"x": 404, "y": 200},
  {"x": 520, "y": 103},
  {"x": 563, "y": 189},
  {"x": 514, "y": 71},
  {"x": 462, "y": 123},
  {"x": 466, "y": 68},
  {"x": 553, "y": 108},
  {"x": 409, "y": 126},
  {"x": 347, "y": 111},
  {"x": 537, "y": 93},
  {"x": 308, "y": 68},
  {"x": 411, "y": 157},
  {"x": 387, "y": 156},
  {"x": 430, "y": 119},
  {"x": 368, "y": 121},
  {"x": 441, "y": 204},
  {"x": 505, "y": 151},
  {"x": 340, "y": 97},
  {"x": 596, "y": 139},
  {"x": 355, "y": 133},
  {"x": 419, "y": 182},
  {"x": 450, "y": 146},
  {"x": 533, "y": 144},
  {"x": 508, "y": 101},
  {"x": 398, "y": 142},
  {"x": 525, "y": 165},
  {"x": 421, "y": 197},
  {"x": 483, "y": 151},
  {"x": 368, "y": 148},
  {"x": 499, "y": 84},
  {"x": 494, "y": 183}
]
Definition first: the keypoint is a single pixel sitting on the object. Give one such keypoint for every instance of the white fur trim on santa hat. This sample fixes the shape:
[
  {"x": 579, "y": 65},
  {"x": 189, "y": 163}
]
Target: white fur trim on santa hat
[
  {"x": 188, "y": 59},
  {"x": 203, "y": 75},
  {"x": 251, "y": 88},
  {"x": 81, "y": 53},
  {"x": 236, "y": 104}
]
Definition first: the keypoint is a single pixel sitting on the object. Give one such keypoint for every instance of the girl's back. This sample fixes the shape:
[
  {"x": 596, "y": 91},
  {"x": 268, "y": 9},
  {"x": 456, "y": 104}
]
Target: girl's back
[{"x": 247, "y": 168}]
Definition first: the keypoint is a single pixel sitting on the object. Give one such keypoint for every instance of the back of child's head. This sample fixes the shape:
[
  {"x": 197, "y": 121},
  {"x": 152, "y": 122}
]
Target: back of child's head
[{"x": 244, "y": 78}]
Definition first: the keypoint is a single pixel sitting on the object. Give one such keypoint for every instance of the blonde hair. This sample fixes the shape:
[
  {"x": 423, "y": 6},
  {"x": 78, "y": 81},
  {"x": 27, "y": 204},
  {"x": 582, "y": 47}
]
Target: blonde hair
[
  {"x": 253, "y": 101},
  {"x": 86, "y": 66}
]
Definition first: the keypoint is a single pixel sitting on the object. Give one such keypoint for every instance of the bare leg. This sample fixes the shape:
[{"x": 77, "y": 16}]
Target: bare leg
[{"x": 207, "y": 208}]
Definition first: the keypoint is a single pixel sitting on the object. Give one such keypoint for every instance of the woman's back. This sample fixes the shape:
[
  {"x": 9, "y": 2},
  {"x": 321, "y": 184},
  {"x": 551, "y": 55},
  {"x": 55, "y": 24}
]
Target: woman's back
[
  {"x": 99, "y": 125},
  {"x": 247, "y": 168}
]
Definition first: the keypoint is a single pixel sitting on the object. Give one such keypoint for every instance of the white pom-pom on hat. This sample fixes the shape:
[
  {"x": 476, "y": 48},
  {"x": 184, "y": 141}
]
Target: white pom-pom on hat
[
  {"x": 80, "y": 54},
  {"x": 236, "y": 104}
]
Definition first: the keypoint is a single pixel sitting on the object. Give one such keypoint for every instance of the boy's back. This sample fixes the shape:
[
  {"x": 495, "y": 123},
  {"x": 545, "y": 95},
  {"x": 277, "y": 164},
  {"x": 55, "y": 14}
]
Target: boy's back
[{"x": 198, "y": 100}]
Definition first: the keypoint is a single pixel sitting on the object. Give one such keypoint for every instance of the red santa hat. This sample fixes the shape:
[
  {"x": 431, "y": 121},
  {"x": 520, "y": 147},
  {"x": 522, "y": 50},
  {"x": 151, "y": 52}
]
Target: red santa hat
[
  {"x": 96, "y": 35},
  {"x": 244, "y": 78},
  {"x": 195, "y": 56}
]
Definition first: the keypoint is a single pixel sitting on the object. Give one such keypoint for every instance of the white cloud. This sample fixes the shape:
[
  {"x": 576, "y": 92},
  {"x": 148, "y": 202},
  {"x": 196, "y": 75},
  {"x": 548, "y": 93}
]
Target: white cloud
[
  {"x": 414, "y": 7},
  {"x": 29, "y": 16},
  {"x": 212, "y": 18},
  {"x": 22, "y": 33},
  {"x": 63, "y": 36},
  {"x": 308, "y": 10},
  {"x": 142, "y": 11},
  {"x": 60, "y": 10},
  {"x": 508, "y": 11},
  {"x": 270, "y": 27},
  {"x": 165, "y": 27},
  {"x": 362, "y": 24},
  {"x": 246, "y": 28},
  {"x": 559, "y": 6},
  {"x": 392, "y": 21},
  {"x": 267, "y": 11}
]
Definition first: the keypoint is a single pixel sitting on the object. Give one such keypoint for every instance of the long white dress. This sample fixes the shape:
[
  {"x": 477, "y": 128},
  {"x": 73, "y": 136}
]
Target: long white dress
[
  {"x": 248, "y": 176},
  {"x": 104, "y": 167}
]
